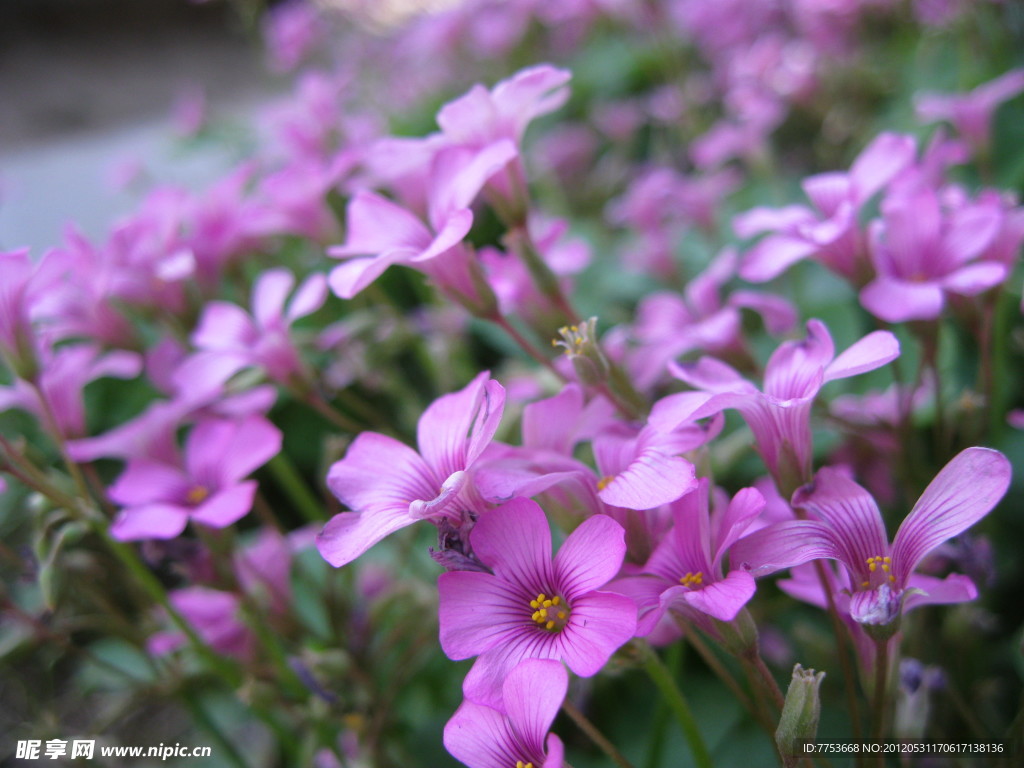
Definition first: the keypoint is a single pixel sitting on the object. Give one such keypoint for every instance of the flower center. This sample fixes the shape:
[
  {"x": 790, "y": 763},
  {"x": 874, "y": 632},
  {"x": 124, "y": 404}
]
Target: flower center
[
  {"x": 878, "y": 568},
  {"x": 197, "y": 495},
  {"x": 692, "y": 580},
  {"x": 551, "y": 613},
  {"x": 521, "y": 764}
]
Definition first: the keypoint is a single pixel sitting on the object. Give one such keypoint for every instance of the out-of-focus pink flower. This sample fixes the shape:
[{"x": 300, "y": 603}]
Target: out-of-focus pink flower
[
  {"x": 207, "y": 486},
  {"x": 922, "y": 252},
  {"x": 290, "y": 31},
  {"x": 831, "y": 233},
  {"x": 971, "y": 113},
  {"x": 227, "y": 332}
]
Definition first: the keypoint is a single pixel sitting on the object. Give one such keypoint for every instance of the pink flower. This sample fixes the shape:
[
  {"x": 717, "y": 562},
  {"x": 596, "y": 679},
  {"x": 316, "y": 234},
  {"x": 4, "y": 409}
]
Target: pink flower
[
  {"x": 684, "y": 574},
  {"x": 971, "y": 113},
  {"x": 779, "y": 416},
  {"x": 847, "y": 526},
  {"x": 206, "y": 487},
  {"x": 262, "y": 339},
  {"x": 829, "y": 233},
  {"x": 485, "y": 737},
  {"x": 530, "y": 606},
  {"x": 922, "y": 252},
  {"x": 389, "y": 486}
]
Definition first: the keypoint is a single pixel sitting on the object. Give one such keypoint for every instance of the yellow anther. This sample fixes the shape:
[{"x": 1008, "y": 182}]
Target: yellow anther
[
  {"x": 865, "y": 583},
  {"x": 885, "y": 567},
  {"x": 556, "y": 600},
  {"x": 541, "y": 597},
  {"x": 198, "y": 494},
  {"x": 536, "y": 616},
  {"x": 887, "y": 559},
  {"x": 574, "y": 328},
  {"x": 543, "y": 613},
  {"x": 892, "y": 578},
  {"x": 550, "y": 625},
  {"x": 547, "y": 603},
  {"x": 873, "y": 567},
  {"x": 561, "y": 614},
  {"x": 604, "y": 481},
  {"x": 534, "y": 604},
  {"x": 692, "y": 579}
]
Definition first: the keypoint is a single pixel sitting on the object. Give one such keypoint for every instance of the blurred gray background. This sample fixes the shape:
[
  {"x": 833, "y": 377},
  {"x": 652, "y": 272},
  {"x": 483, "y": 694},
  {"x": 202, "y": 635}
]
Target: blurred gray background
[{"x": 88, "y": 86}]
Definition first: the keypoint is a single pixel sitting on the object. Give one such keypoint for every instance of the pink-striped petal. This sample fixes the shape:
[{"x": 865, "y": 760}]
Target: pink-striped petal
[{"x": 966, "y": 490}]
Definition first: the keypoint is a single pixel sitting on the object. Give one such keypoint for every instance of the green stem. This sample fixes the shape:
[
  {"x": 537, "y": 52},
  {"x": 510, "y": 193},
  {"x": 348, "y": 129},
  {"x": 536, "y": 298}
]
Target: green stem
[
  {"x": 202, "y": 717},
  {"x": 526, "y": 346},
  {"x": 595, "y": 735},
  {"x": 879, "y": 696},
  {"x": 158, "y": 594},
  {"x": 662, "y": 678},
  {"x": 291, "y": 482}
]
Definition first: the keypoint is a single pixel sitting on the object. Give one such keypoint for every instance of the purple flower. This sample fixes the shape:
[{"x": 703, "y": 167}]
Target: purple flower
[
  {"x": 207, "y": 487},
  {"x": 487, "y": 737},
  {"x": 388, "y": 485},
  {"x": 847, "y": 526},
  {"x": 228, "y": 332},
  {"x": 531, "y": 607},
  {"x": 832, "y": 233},
  {"x": 921, "y": 252},
  {"x": 381, "y": 233},
  {"x": 684, "y": 574},
  {"x": 64, "y": 372},
  {"x": 779, "y": 416},
  {"x": 971, "y": 113}
]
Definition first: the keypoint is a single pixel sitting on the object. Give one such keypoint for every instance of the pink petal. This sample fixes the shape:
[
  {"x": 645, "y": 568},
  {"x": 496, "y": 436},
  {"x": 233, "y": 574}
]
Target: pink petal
[
  {"x": 591, "y": 556},
  {"x": 514, "y": 541},
  {"x": 773, "y": 256},
  {"x": 309, "y": 297},
  {"x": 879, "y": 162},
  {"x": 269, "y": 294},
  {"x": 975, "y": 278},
  {"x": 224, "y": 326},
  {"x": 871, "y": 352},
  {"x": 379, "y": 473},
  {"x": 784, "y": 545},
  {"x": 850, "y": 511},
  {"x": 479, "y": 736},
  {"x": 548, "y": 424},
  {"x": 348, "y": 279},
  {"x": 897, "y": 301},
  {"x": 963, "y": 492},
  {"x": 653, "y": 478},
  {"x": 226, "y": 507},
  {"x": 349, "y": 534},
  {"x": 722, "y": 599},
  {"x": 600, "y": 623},
  {"x": 144, "y": 481},
  {"x": 479, "y": 611},
  {"x": 743, "y": 509},
  {"x": 150, "y": 521},
  {"x": 455, "y": 428},
  {"x": 955, "y": 588},
  {"x": 376, "y": 225},
  {"x": 533, "y": 694}
]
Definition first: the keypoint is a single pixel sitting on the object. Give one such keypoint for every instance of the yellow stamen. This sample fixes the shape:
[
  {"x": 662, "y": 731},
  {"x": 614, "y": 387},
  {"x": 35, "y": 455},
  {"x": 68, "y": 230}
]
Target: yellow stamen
[
  {"x": 692, "y": 579},
  {"x": 197, "y": 494},
  {"x": 604, "y": 481},
  {"x": 554, "y": 619}
]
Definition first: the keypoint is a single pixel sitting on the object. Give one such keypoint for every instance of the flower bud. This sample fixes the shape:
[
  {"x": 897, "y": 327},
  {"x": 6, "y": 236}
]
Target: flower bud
[{"x": 800, "y": 713}]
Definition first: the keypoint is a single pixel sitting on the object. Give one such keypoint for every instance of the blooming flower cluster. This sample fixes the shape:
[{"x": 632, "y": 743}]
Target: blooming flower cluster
[{"x": 552, "y": 343}]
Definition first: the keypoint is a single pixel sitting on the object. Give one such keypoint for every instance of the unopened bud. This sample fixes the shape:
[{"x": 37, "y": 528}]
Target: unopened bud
[{"x": 800, "y": 713}]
